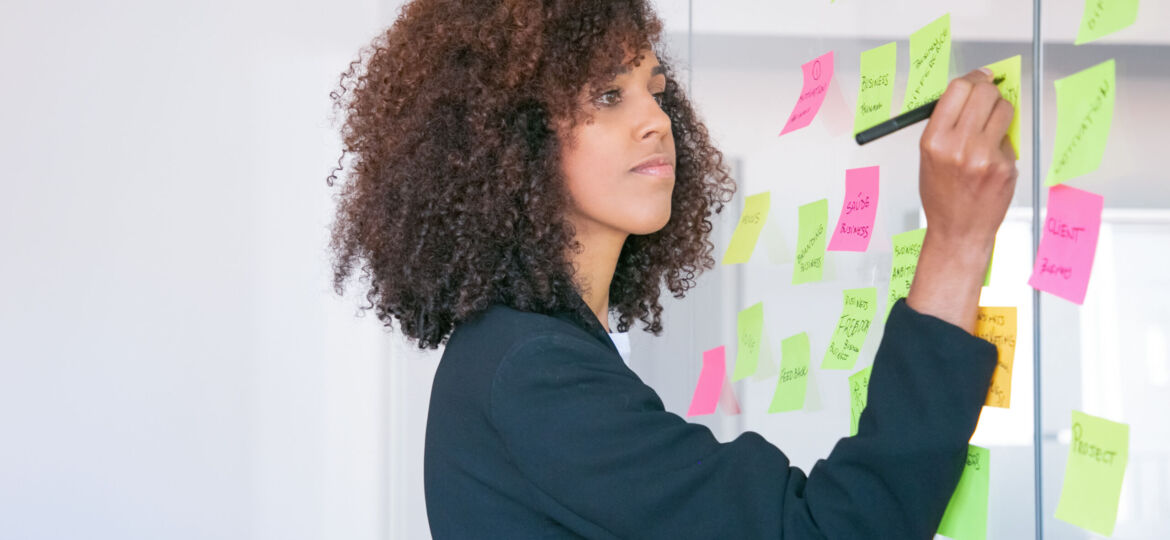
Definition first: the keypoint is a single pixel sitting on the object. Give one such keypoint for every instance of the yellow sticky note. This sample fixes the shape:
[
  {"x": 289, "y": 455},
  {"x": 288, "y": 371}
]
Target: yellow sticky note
[
  {"x": 747, "y": 232},
  {"x": 877, "y": 86},
  {"x": 1009, "y": 88},
  {"x": 749, "y": 326},
  {"x": 930, "y": 62},
  {"x": 907, "y": 246},
  {"x": 1103, "y": 17},
  {"x": 810, "y": 242},
  {"x": 858, "y": 397},
  {"x": 997, "y": 325},
  {"x": 1084, "y": 112},
  {"x": 1092, "y": 476}
]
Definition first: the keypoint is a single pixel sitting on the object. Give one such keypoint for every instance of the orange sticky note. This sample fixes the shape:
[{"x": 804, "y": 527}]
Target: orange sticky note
[{"x": 997, "y": 325}]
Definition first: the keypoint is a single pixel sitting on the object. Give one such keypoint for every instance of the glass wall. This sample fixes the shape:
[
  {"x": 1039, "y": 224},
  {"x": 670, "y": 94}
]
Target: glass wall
[{"x": 742, "y": 63}]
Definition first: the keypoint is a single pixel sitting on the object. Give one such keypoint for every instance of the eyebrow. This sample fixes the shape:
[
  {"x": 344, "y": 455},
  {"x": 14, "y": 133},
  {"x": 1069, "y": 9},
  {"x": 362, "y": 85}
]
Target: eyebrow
[{"x": 657, "y": 70}]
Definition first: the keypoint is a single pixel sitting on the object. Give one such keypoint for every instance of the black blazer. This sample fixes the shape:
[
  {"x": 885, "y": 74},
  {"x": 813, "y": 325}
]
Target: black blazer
[{"x": 537, "y": 429}]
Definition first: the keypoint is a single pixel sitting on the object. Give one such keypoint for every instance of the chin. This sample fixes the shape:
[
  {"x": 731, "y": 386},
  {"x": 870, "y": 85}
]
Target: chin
[{"x": 652, "y": 224}]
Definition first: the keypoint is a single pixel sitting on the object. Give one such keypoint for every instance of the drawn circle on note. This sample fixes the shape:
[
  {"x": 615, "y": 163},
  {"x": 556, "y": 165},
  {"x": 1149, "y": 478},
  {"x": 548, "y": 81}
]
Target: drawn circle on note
[{"x": 816, "y": 70}]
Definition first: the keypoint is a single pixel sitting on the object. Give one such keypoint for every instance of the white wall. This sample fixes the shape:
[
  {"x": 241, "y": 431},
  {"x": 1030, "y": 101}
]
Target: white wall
[{"x": 173, "y": 362}]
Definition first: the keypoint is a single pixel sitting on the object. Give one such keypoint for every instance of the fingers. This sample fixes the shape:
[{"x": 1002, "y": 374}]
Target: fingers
[
  {"x": 1000, "y": 119},
  {"x": 1005, "y": 146},
  {"x": 984, "y": 95},
  {"x": 946, "y": 113}
]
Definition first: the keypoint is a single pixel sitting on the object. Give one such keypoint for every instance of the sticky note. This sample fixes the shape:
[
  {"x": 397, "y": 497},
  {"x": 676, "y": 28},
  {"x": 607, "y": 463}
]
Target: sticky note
[
  {"x": 1104, "y": 17},
  {"x": 997, "y": 325},
  {"x": 907, "y": 246},
  {"x": 1065, "y": 257},
  {"x": 930, "y": 61},
  {"x": 749, "y": 326},
  {"x": 1097, "y": 457},
  {"x": 818, "y": 72},
  {"x": 858, "y": 396},
  {"x": 727, "y": 398},
  {"x": 856, "y": 316},
  {"x": 966, "y": 514},
  {"x": 858, "y": 210},
  {"x": 1009, "y": 88},
  {"x": 1084, "y": 113},
  {"x": 876, "y": 92},
  {"x": 710, "y": 385},
  {"x": 747, "y": 231},
  {"x": 793, "y": 380},
  {"x": 810, "y": 242}
]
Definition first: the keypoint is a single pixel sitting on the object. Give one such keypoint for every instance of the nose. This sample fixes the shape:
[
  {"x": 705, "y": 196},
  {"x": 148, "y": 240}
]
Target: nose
[{"x": 654, "y": 122}]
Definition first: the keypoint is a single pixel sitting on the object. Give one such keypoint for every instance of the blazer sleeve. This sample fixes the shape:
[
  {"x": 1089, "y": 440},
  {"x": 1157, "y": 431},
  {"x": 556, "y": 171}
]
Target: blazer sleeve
[{"x": 606, "y": 460}]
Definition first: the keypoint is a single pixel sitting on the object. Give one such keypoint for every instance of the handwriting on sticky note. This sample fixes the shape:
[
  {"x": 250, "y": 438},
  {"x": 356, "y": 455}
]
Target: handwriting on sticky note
[
  {"x": 1009, "y": 88},
  {"x": 793, "y": 380},
  {"x": 966, "y": 514},
  {"x": 1069, "y": 243},
  {"x": 860, "y": 307},
  {"x": 1084, "y": 114},
  {"x": 858, "y": 397},
  {"x": 1097, "y": 459},
  {"x": 711, "y": 377},
  {"x": 818, "y": 73},
  {"x": 930, "y": 60},
  {"x": 747, "y": 232},
  {"x": 749, "y": 327},
  {"x": 1104, "y": 17},
  {"x": 876, "y": 92},
  {"x": 858, "y": 211},
  {"x": 997, "y": 325},
  {"x": 907, "y": 246},
  {"x": 810, "y": 242}
]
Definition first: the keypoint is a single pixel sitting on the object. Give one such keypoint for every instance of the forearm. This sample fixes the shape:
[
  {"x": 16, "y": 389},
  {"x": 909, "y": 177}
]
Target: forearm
[{"x": 949, "y": 279}]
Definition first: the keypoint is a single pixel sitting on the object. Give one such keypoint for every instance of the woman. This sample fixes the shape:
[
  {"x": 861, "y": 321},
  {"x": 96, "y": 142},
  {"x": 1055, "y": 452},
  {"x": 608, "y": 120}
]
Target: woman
[{"x": 521, "y": 169}]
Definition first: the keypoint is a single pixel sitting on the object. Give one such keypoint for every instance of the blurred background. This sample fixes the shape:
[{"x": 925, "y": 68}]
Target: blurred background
[{"x": 175, "y": 364}]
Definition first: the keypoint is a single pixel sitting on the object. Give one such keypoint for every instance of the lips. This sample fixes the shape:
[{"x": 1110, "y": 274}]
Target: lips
[{"x": 655, "y": 166}]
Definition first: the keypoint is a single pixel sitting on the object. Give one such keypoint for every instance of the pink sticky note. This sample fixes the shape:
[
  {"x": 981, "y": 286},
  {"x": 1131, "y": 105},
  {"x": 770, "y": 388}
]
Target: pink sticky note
[
  {"x": 710, "y": 383},
  {"x": 1065, "y": 257},
  {"x": 817, "y": 74},
  {"x": 855, "y": 226}
]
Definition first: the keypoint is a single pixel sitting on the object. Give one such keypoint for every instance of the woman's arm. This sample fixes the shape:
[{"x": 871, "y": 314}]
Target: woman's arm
[{"x": 967, "y": 176}]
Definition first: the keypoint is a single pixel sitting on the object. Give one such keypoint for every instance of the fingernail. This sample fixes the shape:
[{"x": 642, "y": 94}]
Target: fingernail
[{"x": 986, "y": 71}]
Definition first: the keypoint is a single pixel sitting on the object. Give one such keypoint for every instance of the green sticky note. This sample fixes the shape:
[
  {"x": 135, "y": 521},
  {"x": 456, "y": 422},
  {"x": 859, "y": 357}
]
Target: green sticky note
[
  {"x": 858, "y": 313},
  {"x": 1084, "y": 112},
  {"x": 858, "y": 396},
  {"x": 793, "y": 380},
  {"x": 749, "y": 325},
  {"x": 877, "y": 86},
  {"x": 747, "y": 232},
  {"x": 907, "y": 246},
  {"x": 1092, "y": 477},
  {"x": 1103, "y": 17},
  {"x": 987, "y": 276},
  {"x": 930, "y": 61},
  {"x": 810, "y": 242},
  {"x": 966, "y": 514},
  {"x": 1009, "y": 88}
]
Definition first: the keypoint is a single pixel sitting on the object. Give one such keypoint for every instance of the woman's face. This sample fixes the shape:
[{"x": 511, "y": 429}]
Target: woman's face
[{"x": 620, "y": 166}]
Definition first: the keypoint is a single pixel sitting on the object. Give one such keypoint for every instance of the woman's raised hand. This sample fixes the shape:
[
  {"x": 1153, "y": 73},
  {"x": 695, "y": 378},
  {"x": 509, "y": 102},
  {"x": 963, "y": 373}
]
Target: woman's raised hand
[{"x": 967, "y": 175}]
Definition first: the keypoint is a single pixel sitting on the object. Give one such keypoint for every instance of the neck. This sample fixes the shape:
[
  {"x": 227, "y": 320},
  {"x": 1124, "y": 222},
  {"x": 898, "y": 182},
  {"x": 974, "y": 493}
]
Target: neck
[{"x": 595, "y": 265}]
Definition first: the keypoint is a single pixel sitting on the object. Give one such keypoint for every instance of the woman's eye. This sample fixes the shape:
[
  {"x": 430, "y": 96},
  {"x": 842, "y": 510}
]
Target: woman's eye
[
  {"x": 660, "y": 97},
  {"x": 612, "y": 97}
]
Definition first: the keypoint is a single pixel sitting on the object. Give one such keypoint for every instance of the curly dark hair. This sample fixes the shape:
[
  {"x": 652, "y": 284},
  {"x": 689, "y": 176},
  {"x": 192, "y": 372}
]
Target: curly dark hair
[{"x": 452, "y": 195}]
